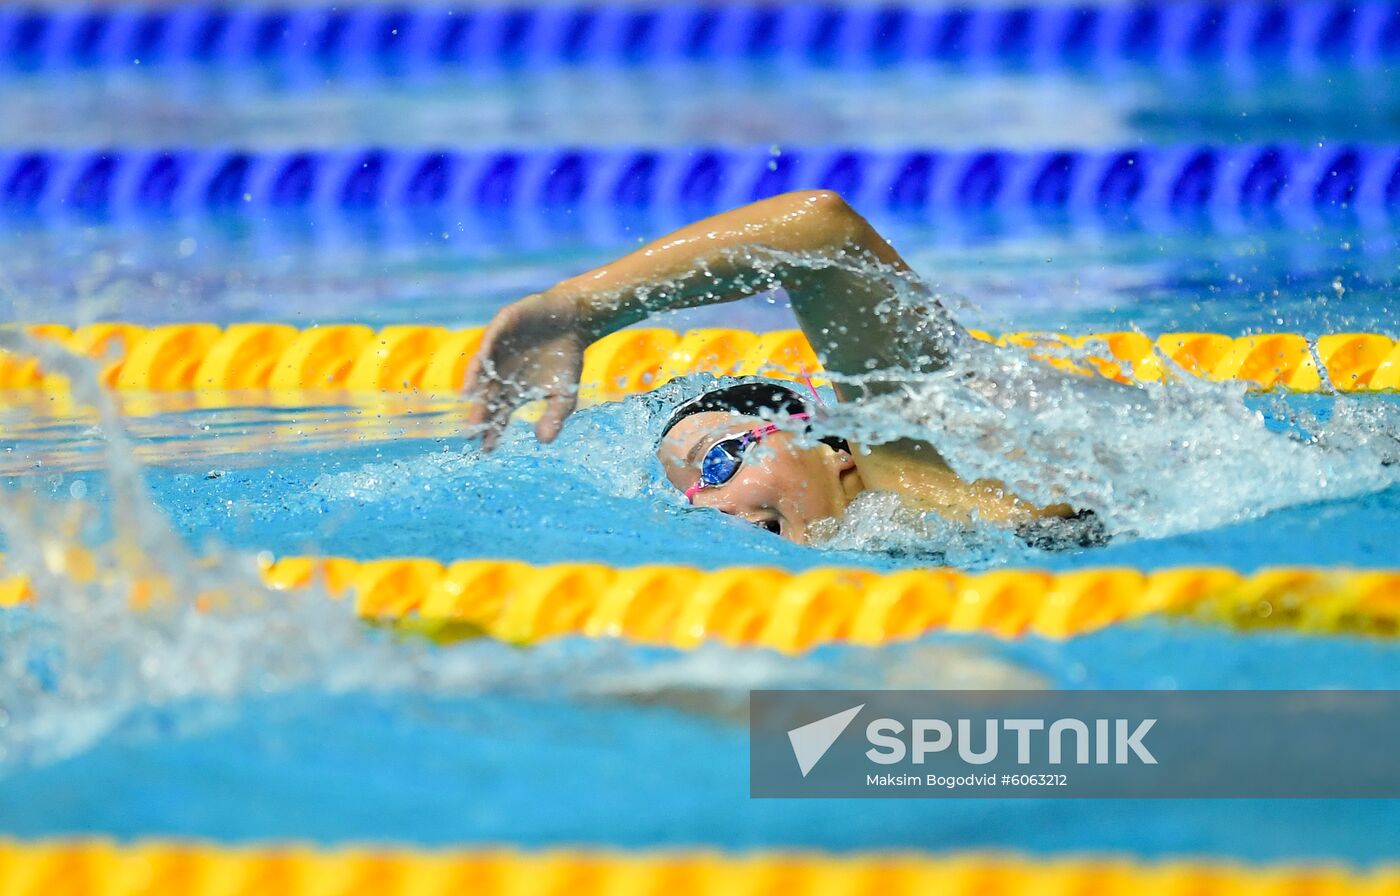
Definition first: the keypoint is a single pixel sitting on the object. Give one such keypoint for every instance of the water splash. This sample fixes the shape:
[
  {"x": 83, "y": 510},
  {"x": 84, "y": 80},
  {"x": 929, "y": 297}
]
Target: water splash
[
  {"x": 1150, "y": 461},
  {"x": 135, "y": 619},
  {"x": 129, "y": 622}
]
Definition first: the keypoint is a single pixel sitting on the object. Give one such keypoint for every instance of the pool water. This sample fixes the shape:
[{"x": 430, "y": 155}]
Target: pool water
[
  {"x": 289, "y": 719},
  {"x": 359, "y": 735},
  {"x": 511, "y": 765}
]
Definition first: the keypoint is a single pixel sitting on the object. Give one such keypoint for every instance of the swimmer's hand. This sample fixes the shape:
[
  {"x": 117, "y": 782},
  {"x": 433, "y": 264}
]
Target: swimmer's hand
[{"x": 532, "y": 349}]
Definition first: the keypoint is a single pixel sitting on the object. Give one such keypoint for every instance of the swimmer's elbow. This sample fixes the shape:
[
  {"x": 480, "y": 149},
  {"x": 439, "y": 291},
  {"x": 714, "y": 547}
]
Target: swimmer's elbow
[
  {"x": 824, "y": 202},
  {"x": 825, "y": 206},
  {"x": 829, "y": 221}
]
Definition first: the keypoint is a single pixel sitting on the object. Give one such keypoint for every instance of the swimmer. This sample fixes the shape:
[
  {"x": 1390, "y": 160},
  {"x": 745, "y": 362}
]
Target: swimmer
[{"x": 841, "y": 277}]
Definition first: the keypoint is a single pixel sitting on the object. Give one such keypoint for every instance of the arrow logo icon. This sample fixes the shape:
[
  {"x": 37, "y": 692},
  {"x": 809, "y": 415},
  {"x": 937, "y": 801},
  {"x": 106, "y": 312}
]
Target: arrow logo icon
[{"x": 811, "y": 741}]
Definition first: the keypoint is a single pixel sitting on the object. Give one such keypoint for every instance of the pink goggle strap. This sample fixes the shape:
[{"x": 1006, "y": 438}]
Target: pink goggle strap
[{"x": 807, "y": 379}]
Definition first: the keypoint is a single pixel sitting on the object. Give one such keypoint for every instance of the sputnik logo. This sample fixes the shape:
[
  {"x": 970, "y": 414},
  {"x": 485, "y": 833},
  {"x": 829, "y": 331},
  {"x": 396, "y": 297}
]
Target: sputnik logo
[{"x": 811, "y": 741}]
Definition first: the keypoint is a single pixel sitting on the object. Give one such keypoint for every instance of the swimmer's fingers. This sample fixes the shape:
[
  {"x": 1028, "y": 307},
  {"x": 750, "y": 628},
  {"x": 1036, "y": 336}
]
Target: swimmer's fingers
[
  {"x": 559, "y": 404},
  {"x": 496, "y": 397},
  {"x": 483, "y": 382},
  {"x": 485, "y": 391},
  {"x": 560, "y": 372},
  {"x": 490, "y": 389},
  {"x": 475, "y": 393},
  {"x": 491, "y": 402},
  {"x": 498, "y": 407},
  {"x": 490, "y": 437},
  {"x": 531, "y": 349},
  {"x": 471, "y": 384}
]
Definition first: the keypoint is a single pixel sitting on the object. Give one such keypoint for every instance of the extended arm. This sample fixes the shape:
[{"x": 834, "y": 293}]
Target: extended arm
[{"x": 838, "y": 272}]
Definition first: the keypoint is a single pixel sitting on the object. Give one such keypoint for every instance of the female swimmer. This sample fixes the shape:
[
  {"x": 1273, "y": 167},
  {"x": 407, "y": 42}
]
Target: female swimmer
[{"x": 841, "y": 277}]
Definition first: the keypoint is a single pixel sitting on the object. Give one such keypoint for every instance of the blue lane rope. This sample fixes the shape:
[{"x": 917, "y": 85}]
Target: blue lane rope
[
  {"x": 1150, "y": 180},
  {"x": 389, "y": 37}
]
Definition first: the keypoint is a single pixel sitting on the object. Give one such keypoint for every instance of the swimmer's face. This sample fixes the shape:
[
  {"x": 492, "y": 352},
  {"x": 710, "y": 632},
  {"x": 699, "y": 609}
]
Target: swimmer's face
[{"x": 781, "y": 486}]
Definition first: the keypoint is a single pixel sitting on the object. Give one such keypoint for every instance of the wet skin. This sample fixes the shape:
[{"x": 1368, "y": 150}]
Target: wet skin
[
  {"x": 781, "y": 486},
  {"x": 838, "y": 273}
]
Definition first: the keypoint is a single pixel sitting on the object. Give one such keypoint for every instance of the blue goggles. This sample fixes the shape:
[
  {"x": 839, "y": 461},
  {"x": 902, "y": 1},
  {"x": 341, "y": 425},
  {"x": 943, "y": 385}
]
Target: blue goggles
[{"x": 724, "y": 458}]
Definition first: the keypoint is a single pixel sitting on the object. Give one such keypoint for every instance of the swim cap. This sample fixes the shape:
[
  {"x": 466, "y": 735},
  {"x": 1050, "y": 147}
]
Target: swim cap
[{"x": 751, "y": 400}]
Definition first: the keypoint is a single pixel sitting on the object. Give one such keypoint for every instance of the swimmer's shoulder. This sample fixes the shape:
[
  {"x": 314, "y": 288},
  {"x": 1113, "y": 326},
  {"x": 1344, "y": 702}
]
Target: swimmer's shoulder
[{"x": 917, "y": 473}]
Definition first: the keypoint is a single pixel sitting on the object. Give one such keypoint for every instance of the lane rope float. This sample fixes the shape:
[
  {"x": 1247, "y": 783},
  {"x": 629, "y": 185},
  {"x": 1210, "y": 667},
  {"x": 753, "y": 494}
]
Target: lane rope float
[
  {"x": 389, "y": 39},
  {"x": 166, "y": 868},
  {"x": 271, "y": 359},
  {"x": 793, "y": 612},
  {"x": 1111, "y": 185}
]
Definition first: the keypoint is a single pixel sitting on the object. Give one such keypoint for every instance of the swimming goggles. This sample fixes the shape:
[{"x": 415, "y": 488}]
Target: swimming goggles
[{"x": 725, "y": 457}]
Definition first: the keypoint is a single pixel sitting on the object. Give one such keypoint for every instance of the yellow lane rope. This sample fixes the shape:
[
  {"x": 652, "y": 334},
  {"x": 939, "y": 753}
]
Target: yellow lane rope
[
  {"x": 791, "y": 612},
  {"x": 356, "y": 360},
  {"x": 158, "y": 868}
]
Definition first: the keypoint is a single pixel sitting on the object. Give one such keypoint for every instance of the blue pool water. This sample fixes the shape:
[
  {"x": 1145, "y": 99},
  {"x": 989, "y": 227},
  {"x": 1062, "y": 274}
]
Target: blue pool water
[
  {"x": 590, "y": 743},
  {"x": 438, "y": 497},
  {"x": 366, "y": 737},
  {"x": 291, "y": 720}
]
